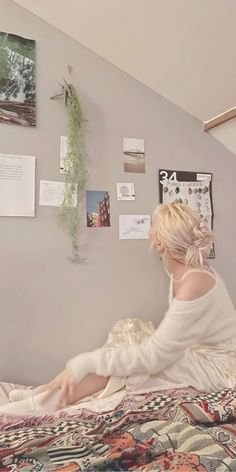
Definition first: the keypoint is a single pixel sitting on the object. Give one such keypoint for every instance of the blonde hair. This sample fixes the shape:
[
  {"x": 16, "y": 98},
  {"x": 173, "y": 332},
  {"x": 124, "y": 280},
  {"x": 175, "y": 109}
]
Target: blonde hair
[{"x": 184, "y": 234}]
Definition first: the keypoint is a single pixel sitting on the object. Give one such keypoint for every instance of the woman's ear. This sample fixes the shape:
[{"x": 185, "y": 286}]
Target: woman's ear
[{"x": 160, "y": 246}]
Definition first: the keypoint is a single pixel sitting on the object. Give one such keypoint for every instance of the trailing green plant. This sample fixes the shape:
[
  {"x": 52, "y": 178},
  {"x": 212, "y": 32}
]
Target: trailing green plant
[{"x": 69, "y": 217}]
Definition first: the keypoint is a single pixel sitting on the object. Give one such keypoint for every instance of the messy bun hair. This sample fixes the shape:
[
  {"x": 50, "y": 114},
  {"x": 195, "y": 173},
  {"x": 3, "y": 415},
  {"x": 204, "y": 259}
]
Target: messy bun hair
[{"x": 185, "y": 235}]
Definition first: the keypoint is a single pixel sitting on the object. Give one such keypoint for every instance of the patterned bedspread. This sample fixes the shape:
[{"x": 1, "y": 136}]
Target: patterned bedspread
[{"x": 175, "y": 431}]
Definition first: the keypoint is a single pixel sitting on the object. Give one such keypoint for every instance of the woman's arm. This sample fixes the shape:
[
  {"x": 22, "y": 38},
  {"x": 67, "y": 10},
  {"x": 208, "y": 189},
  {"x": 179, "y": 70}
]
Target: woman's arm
[{"x": 181, "y": 328}]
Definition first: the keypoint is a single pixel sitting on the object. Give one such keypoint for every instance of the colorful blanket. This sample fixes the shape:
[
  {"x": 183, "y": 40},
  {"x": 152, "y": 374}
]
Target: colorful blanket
[{"x": 172, "y": 431}]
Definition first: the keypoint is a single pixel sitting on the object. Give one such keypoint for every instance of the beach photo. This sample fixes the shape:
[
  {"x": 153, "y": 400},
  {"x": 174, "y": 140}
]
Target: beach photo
[{"x": 134, "y": 155}]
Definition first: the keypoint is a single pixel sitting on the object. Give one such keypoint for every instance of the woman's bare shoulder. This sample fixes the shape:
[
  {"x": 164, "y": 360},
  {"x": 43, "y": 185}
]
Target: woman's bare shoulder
[{"x": 194, "y": 286}]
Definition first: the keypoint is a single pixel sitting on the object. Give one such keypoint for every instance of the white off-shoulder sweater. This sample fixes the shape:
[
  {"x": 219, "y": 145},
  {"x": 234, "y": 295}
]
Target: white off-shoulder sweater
[{"x": 195, "y": 345}]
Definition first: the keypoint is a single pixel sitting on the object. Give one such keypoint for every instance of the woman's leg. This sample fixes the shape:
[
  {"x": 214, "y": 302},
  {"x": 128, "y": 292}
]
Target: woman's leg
[{"x": 90, "y": 385}]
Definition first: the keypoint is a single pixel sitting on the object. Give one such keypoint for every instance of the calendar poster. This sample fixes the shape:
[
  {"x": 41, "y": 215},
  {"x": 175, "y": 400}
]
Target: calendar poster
[{"x": 191, "y": 188}]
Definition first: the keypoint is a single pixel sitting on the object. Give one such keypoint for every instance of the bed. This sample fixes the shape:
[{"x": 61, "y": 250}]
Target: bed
[{"x": 178, "y": 430}]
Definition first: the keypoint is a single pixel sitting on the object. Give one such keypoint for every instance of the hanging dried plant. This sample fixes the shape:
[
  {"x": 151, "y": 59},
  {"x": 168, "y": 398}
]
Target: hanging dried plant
[{"x": 69, "y": 217}]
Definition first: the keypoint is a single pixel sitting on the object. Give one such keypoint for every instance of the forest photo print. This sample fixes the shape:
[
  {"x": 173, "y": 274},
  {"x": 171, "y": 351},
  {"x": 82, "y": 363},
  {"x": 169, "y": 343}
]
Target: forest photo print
[{"x": 17, "y": 80}]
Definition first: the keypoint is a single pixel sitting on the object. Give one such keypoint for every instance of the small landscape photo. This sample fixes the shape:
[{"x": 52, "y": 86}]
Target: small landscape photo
[{"x": 134, "y": 155}]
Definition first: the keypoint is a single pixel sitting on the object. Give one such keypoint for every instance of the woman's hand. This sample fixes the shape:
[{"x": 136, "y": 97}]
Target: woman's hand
[{"x": 68, "y": 386}]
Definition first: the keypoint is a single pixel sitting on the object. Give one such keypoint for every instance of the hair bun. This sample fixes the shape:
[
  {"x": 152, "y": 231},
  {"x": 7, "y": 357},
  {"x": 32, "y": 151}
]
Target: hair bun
[{"x": 200, "y": 248}]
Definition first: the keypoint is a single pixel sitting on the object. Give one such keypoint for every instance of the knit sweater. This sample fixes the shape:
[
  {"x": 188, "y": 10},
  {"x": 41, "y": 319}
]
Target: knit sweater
[{"x": 203, "y": 325}]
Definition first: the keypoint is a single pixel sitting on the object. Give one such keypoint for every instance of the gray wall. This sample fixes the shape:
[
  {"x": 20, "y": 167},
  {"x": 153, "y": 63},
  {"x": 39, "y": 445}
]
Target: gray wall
[{"x": 50, "y": 308}]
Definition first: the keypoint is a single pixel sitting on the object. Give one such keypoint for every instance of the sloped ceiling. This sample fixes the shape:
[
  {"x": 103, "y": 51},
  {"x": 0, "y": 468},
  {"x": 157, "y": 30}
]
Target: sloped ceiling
[{"x": 182, "y": 49}]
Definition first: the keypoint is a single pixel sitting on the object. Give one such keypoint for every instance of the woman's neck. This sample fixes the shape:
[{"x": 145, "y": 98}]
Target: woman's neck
[{"x": 178, "y": 269}]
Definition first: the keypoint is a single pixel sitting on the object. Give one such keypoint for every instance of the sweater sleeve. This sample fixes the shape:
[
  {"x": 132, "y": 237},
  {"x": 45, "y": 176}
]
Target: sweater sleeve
[{"x": 181, "y": 327}]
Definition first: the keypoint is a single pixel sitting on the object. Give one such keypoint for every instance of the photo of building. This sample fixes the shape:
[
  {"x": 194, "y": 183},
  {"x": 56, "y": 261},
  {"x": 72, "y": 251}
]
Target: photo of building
[{"x": 98, "y": 209}]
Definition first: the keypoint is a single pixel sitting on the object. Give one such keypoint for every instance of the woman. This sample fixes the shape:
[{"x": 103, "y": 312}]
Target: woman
[{"x": 195, "y": 344}]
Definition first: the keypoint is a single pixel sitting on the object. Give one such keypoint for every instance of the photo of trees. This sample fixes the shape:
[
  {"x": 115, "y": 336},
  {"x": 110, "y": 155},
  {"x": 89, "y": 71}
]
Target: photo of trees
[{"x": 17, "y": 80}]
